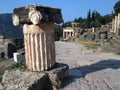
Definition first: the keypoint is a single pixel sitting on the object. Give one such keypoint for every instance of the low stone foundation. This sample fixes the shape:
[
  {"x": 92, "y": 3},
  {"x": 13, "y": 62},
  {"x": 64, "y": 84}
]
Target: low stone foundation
[
  {"x": 58, "y": 74},
  {"x": 27, "y": 80},
  {"x": 23, "y": 80}
]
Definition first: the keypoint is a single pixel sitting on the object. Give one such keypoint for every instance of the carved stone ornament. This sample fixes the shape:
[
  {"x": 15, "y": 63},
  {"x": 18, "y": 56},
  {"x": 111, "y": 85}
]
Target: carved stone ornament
[{"x": 36, "y": 14}]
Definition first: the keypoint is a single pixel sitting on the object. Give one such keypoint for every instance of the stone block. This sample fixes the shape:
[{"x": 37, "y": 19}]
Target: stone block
[
  {"x": 27, "y": 80},
  {"x": 24, "y": 80},
  {"x": 58, "y": 74},
  {"x": 18, "y": 57},
  {"x": 36, "y": 14}
]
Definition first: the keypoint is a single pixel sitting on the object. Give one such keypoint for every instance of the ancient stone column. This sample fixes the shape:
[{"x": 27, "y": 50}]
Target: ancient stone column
[
  {"x": 64, "y": 34},
  {"x": 113, "y": 25},
  {"x": 115, "y": 28},
  {"x": 118, "y": 30},
  {"x": 117, "y": 24},
  {"x": 38, "y": 27}
]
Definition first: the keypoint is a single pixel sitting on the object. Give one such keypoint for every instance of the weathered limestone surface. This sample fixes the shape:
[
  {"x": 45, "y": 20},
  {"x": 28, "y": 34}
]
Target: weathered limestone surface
[
  {"x": 39, "y": 46},
  {"x": 24, "y": 80},
  {"x": 101, "y": 70},
  {"x": 36, "y": 14},
  {"x": 58, "y": 74},
  {"x": 107, "y": 79},
  {"x": 27, "y": 80},
  {"x": 38, "y": 27}
]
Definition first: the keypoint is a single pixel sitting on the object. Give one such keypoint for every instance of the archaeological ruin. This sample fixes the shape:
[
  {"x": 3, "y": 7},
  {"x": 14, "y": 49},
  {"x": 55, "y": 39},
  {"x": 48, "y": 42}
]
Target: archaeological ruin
[
  {"x": 68, "y": 32},
  {"x": 38, "y": 28},
  {"x": 116, "y": 24}
]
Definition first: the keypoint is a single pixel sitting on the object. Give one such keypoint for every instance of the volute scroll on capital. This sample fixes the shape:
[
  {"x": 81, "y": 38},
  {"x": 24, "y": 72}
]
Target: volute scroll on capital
[{"x": 36, "y": 14}]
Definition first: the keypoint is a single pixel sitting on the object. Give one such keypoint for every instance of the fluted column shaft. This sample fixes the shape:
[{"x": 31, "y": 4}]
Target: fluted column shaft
[
  {"x": 118, "y": 30},
  {"x": 38, "y": 27},
  {"x": 113, "y": 25},
  {"x": 39, "y": 46},
  {"x": 115, "y": 28}
]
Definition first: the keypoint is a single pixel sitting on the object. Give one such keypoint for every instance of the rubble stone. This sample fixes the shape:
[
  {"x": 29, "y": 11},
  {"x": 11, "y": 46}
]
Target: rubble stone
[{"x": 58, "y": 74}]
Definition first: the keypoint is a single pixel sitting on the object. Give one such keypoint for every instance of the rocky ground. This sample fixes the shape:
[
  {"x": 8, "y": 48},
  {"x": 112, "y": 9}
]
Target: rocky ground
[
  {"x": 4, "y": 64},
  {"x": 89, "y": 70}
]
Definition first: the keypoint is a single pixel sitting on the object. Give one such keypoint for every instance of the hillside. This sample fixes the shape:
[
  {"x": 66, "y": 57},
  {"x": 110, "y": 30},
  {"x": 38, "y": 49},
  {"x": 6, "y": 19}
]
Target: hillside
[{"x": 7, "y": 29}]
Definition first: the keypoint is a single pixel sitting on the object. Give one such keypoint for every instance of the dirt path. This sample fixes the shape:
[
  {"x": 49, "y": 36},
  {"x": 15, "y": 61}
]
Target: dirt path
[{"x": 88, "y": 70}]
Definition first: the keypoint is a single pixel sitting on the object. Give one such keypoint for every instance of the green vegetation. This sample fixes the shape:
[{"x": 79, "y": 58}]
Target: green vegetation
[
  {"x": 58, "y": 33},
  {"x": 92, "y": 45},
  {"x": 118, "y": 53},
  {"x": 117, "y": 7},
  {"x": 19, "y": 65},
  {"x": 94, "y": 19},
  {"x": 89, "y": 18}
]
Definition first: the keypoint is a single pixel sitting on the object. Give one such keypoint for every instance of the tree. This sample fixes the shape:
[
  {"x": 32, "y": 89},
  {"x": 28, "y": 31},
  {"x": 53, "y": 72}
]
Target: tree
[
  {"x": 96, "y": 15},
  {"x": 89, "y": 18},
  {"x": 58, "y": 33},
  {"x": 96, "y": 19},
  {"x": 93, "y": 20},
  {"x": 117, "y": 7},
  {"x": 106, "y": 19},
  {"x": 93, "y": 16},
  {"x": 97, "y": 23},
  {"x": 92, "y": 24},
  {"x": 76, "y": 20}
]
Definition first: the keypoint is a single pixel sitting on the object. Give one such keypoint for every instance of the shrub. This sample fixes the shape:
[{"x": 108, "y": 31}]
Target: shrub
[{"x": 19, "y": 65}]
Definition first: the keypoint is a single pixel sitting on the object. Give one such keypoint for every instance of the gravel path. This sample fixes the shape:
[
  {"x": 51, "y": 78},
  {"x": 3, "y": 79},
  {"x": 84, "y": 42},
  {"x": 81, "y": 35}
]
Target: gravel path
[{"x": 89, "y": 70}]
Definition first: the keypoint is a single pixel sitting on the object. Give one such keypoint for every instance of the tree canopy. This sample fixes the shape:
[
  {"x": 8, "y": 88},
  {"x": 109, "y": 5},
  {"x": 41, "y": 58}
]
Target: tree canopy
[
  {"x": 94, "y": 19},
  {"x": 117, "y": 7}
]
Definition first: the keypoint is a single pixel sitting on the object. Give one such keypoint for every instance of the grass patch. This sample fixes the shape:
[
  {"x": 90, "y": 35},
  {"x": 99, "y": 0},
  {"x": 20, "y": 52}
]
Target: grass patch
[
  {"x": 118, "y": 53},
  {"x": 19, "y": 65},
  {"x": 92, "y": 45}
]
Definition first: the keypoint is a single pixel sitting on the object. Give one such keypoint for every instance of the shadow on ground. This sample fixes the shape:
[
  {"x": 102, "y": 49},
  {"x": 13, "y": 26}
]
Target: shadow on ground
[{"x": 103, "y": 64}]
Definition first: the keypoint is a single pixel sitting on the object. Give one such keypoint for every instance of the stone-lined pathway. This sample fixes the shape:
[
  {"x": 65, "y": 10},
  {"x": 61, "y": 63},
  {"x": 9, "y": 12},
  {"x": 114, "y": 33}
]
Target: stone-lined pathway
[{"x": 88, "y": 70}]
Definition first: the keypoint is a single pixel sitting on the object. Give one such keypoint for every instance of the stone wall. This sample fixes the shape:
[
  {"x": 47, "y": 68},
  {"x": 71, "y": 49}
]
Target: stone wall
[{"x": 27, "y": 80}]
